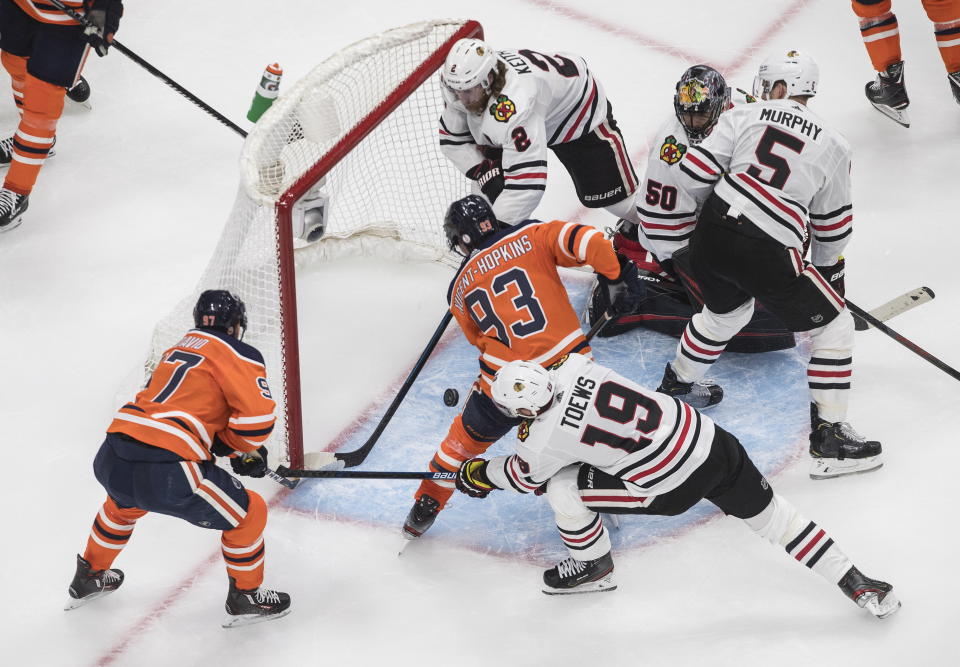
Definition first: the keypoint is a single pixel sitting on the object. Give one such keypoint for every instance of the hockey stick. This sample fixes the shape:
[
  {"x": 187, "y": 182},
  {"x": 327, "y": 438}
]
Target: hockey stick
[
  {"x": 84, "y": 21},
  {"x": 278, "y": 477},
  {"x": 910, "y": 345},
  {"x": 897, "y": 306},
  {"x": 365, "y": 474}
]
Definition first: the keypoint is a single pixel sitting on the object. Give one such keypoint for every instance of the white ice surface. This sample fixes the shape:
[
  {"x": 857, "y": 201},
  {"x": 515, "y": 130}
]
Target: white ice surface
[{"x": 125, "y": 217}]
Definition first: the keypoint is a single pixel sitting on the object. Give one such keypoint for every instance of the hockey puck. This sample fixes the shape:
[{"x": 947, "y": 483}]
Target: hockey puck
[{"x": 451, "y": 397}]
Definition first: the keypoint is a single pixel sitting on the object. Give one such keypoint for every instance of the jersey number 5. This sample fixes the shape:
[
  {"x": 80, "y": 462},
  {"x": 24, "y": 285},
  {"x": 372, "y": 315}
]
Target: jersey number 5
[
  {"x": 480, "y": 306},
  {"x": 765, "y": 156}
]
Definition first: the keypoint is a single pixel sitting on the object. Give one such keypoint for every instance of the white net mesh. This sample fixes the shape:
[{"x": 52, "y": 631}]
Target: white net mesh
[{"x": 385, "y": 194}]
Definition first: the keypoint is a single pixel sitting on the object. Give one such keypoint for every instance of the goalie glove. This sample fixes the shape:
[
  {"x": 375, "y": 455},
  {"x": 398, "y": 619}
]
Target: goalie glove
[
  {"x": 625, "y": 292},
  {"x": 472, "y": 479},
  {"x": 489, "y": 176},
  {"x": 834, "y": 275}
]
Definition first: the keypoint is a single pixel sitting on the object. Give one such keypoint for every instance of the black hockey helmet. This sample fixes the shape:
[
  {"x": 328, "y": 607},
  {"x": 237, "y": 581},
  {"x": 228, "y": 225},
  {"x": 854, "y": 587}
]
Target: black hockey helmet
[
  {"x": 219, "y": 309},
  {"x": 468, "y": 221},
  {"x": 702, "y": 95}
]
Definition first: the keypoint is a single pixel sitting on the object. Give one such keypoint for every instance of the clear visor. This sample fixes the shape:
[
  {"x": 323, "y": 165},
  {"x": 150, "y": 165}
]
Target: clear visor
[{"x": 761, "y": 88}]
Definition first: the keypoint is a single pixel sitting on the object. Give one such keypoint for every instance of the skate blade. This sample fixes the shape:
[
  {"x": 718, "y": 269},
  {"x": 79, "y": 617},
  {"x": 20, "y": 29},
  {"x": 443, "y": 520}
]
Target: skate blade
[
  {"x": 829, "y": 468},
  {"x": 899, "y": 116},
  {"x": 241, "y": 620},
  {"x": 75, "y": 603},
  {"x": 599, "y": 586},
  {"x": 882, "y": 609},
  {"x": 13, "y": 225}
]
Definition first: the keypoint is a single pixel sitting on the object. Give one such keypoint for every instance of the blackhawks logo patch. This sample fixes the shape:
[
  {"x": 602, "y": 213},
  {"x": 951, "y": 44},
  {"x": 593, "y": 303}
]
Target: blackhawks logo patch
[
  {"x": 523, "y": 431},
  {"x": 672, "y": 150},
  {"x": 503, "y": 108}
]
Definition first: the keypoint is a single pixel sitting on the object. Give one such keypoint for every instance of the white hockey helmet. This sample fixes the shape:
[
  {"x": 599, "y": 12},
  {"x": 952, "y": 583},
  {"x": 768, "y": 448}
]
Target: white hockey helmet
[
  {"x": 523, "y": 389},
  {"x": 797, "y": 70},
  {"x": 466, "y": 74}
]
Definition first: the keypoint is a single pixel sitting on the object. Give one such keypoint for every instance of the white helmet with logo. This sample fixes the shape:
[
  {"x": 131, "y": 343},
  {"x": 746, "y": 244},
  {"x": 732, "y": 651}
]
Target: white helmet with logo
[
  {"x": 797, "y": 70},
  {"x": 523, "y": 389},
  {"x": 466, "y": 74}
]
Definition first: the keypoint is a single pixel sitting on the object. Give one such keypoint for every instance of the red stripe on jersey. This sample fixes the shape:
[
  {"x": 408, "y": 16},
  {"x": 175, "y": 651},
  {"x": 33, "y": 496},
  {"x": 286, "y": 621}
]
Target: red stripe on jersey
[
  {"x": 681, "y": 443},
  {"x": 826, "y": 286},
  {"x": 678, "y": 226},
  {"x": 757, "y": 187},
  {"x": 621, "y": 155},
  {"x": 518, "y": 475},
  {"x": 536, "y": 174},
  {"x": 703, "y": 165},
  {"x": 696, "y": 348},
  {"x": 827, "y": 228},
  {"x": 816, "y": 538},
  {"x": 612, "y": 499},
  {"x": 583, "y": 112}
]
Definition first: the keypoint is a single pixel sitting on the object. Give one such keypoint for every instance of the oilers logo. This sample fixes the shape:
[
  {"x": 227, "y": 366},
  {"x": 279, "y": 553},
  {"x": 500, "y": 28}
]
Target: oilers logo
[
  {"x": 672, "y": 151},
  {"x": 503, "y": 109}
]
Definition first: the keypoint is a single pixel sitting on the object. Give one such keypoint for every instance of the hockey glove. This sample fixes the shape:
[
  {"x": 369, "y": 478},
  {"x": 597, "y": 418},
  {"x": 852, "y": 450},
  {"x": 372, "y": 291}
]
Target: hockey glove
[
  {"x": 220, "y": 448},
  {"x": 104, "y": 16},
  {"x": 625, "y": 292},
  {"x": 250, "y": 464},
  {"x": 472, "y": 479},
  {"x": 834, "y": 275},
  {"x": 489, "y": 176}
]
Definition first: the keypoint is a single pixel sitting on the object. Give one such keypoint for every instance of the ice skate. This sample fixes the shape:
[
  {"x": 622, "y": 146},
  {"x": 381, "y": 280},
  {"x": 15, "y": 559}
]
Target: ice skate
[
  {"x": 421, "y": 517},
  {"x": 700, "y": 395},
  {"x": 954, "y": 79},
  {"x": 89, "y": 584},
  {"x": 254, "y": 606},
  {"x": 572, "y": 576},
  {"x": 889, "y": 95},
  {"x": 12, "y": 207},
  {"x": 875, "y": 596},
  {"x": 839, "y": 450}
]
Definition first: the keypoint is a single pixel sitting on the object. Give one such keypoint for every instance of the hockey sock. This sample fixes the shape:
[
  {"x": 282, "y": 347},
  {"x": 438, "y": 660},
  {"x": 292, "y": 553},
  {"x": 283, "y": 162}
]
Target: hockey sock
[
  {"x": 831, "y": 367},
  {"x": 581, "y": 529},
  {"x": 804, "y": 540},
  {"x": 42, "y": 106},
  {"x": 16, "y": 66},
  {"x": 880, "y": 33},
  {"x": 947, "y": 33},
  {"x": 705, "y": 339},
  {"x": 110, "y": 533},
  {"x": 243, "y": 548},
  {"x": 456, "y": 448}
]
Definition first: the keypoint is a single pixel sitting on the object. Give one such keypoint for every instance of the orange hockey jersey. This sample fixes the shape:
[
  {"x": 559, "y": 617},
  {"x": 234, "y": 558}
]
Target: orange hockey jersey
[
  {"x": 207, "y": 385},
  {"x": 47, "y": 12},
  {"x": 509, "y": 300}
]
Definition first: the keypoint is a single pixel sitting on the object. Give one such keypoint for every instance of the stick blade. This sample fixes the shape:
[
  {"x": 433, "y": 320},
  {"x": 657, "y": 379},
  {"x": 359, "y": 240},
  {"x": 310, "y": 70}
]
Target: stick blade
[
  {"x": 896, "y": 306},
  {"x": 322, "y": 461}
]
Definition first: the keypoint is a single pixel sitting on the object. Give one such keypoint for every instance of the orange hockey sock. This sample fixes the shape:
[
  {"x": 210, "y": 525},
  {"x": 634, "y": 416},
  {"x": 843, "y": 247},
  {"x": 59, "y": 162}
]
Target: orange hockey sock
[
  {"x": 243, "y": 548},
  {"x": 111, "y": 531},
  {"x": 456, "y": 448},
  {"x": 16, "y": 67},
  {"x": 880, "y": 32},
  {"x": 42, "y": 106},
  {"x": 945, "y": 15}
]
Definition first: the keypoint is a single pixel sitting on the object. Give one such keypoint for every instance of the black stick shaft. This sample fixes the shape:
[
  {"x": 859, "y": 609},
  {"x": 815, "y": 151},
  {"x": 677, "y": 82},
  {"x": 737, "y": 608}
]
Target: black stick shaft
[
  {"x": 365, "y": 474},
  {"x": 83, "y": 20},
  {"x": 907, "y": 343}
]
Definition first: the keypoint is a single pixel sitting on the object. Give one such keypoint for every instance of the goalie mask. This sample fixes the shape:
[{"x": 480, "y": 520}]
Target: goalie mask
[
  {"x": 219, "y": 309},
  {"x": 468, "y": 222},
  {"x": 797, "y": 70},
  {"x": 523, "y": 389},
  {"x": 467, "y": 75},
  {"x": 702, "y": 95}
]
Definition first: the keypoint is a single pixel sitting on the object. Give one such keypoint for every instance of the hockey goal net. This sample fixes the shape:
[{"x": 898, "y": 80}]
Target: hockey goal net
[{"x": 357, "y": 139}]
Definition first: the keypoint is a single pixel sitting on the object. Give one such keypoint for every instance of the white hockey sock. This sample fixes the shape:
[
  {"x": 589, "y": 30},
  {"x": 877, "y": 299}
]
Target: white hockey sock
[
  {"x": 804, "y": 540},
  {"x": 831, "y": 367},
  {"x": 705, "y": 339},
  {"x": 581, "y": 529}
]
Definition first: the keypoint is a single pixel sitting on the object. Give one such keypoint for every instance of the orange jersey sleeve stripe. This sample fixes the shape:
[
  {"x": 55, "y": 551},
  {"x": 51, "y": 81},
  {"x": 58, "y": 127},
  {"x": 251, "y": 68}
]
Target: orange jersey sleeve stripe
[{"x": 47, "y": 12}]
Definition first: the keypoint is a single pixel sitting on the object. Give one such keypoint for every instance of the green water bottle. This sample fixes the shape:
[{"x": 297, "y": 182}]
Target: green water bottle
[{"x": 266, "y": 92}]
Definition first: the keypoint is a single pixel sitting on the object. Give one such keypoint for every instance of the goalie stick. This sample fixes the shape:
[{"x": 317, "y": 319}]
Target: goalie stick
[
  {"x": 895, "y": 307},
  {"x": 84, "y": 21},
  {"x": 334, "y": 461},
  {"x": 906, "y": 342}
]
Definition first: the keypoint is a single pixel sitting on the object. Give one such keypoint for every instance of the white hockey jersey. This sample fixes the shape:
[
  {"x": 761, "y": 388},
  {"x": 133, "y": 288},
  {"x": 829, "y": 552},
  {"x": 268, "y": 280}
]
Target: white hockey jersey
[
  {"x": 777, "y": 163},
  {"x": 546, "y": 100},
  {"x": 667, "y": 213},
  {"x": 652, "y": 441}
]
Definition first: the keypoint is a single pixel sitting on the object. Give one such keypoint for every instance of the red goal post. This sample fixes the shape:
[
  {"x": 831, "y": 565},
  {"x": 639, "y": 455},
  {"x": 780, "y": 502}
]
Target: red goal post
[{"x": 355, "y": 142}]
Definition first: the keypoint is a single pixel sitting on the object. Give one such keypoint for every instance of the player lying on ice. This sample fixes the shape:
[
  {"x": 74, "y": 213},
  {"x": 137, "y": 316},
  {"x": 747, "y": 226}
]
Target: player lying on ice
[{"x": 594, "y": 442}]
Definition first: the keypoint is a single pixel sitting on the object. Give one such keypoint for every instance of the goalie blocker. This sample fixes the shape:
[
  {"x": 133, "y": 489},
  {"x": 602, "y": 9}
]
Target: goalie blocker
[{"x": 669, "y": 302}]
